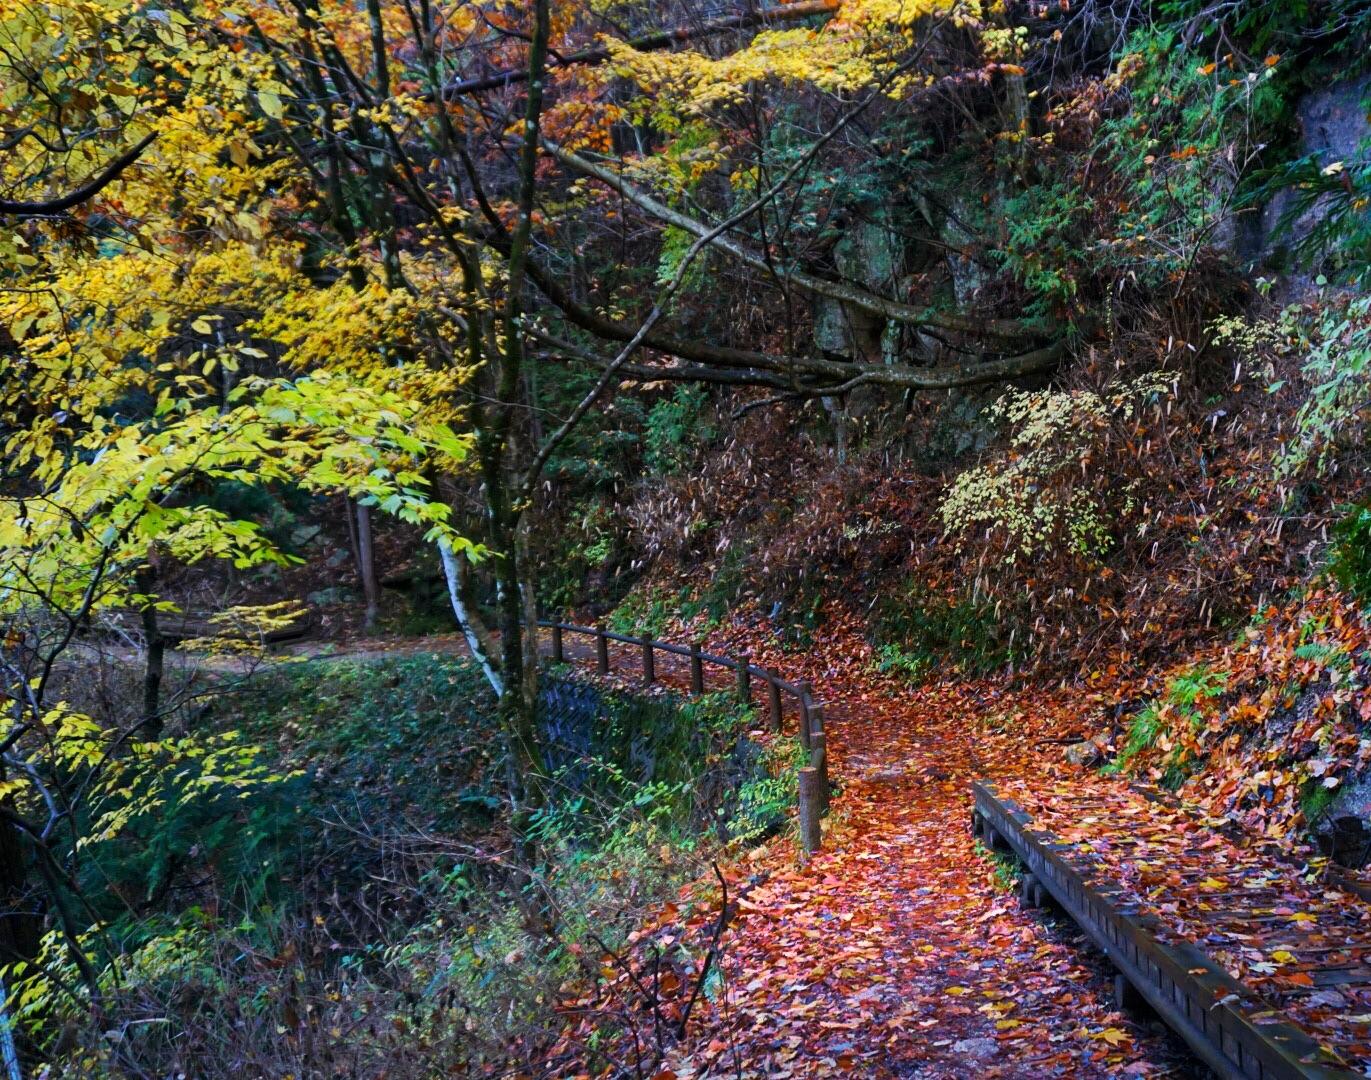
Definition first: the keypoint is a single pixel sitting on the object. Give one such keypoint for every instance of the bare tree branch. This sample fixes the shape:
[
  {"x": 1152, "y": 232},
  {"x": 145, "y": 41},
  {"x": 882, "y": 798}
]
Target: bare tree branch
[
  {"x": 817, "y": 377},
  {"x": 86, "y": 191},
  {"x": 1008, "y": 329}
]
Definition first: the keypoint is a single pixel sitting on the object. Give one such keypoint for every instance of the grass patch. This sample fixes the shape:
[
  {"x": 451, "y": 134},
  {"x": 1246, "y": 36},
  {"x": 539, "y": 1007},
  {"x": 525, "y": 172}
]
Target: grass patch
[
  {"x": 1004, "y": 868},
  {"x": 917, "y": 631}
]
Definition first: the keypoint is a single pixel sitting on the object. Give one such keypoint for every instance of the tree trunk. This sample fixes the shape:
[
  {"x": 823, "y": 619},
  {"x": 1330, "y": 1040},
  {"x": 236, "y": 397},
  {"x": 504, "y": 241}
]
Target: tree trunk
[
  {"x": 457, "y": 573},
  {"x": 528, "y": 596},
  {"x": 366, "y": 567},
  {"x": 145, "y": 579}
]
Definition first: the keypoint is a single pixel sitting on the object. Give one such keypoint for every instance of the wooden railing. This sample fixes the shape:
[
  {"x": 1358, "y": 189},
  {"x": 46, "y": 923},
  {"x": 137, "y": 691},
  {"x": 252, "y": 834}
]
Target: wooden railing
[
  {"x": 809, "y": 728},
  {"x": 1232, "y": 1029}
]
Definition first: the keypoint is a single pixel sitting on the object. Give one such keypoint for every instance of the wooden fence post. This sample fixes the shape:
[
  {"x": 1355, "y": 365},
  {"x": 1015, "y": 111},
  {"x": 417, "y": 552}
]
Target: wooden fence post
[
  {"x": 649, "y": 663},
  {"x": 601, "y": 650},
  {"x": 818, "y": 758},
  {"x": 773, "y": 686},
  {"x": 811, "y": 831},
  {"x": 697, "y": 669},
  {"x": 744, "y": 680},
  {"x": 816, "y": 721},
  {"x": 558, "y": 655},
  {"x": 806, "y": 700}
]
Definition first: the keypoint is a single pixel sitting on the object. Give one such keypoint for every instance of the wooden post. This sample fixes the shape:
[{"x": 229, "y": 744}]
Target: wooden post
[
  {"x": 774, "y": 694},
  {"x": 558, "y": 655},
  {"x": 601, "y": 650},
  {"x": 697, "y": 669},
  {"x": 1126, "y": 996},
  {"x": 649, "y": 663},
  {"x": 744, "y": 681},
  {"x": 818, "y": 758},
  {"x": 816, "y": 720},
  {"x": 806, "y": 699},
  {"x": 1028, "y": 893},
  {"x": 811, "y": 832}
]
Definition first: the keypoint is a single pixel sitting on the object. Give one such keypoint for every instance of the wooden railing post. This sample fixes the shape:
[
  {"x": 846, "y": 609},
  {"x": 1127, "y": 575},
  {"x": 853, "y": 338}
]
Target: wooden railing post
[
  {"x": 601, "y": 650},
  {"x": 811, "y": 809},
  {"x": 558, "y": 655},
  {"x": 773, "y": 686},
  {"x": 818, "y": 758},
  {"x": 744, "y": 680},
  {"x": 649, "y": 663},
  {"x": 697, "y": 669},
  {"x": 806, "y": 700}
]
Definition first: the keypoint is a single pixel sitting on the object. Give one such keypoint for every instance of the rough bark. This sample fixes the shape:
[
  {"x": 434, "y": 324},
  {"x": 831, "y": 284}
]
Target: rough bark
[
  {"x": 146, "y": 581},
  {"x": 366, "y": 566}
]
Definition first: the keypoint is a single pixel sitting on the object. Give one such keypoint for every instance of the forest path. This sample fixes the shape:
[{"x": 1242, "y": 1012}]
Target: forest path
[{"x": 894, "y": 952}]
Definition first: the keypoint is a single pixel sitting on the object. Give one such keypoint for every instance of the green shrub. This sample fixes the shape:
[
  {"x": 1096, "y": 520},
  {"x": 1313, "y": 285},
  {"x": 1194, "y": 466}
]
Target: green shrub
[
  {"x": 1184, "y": 696},
  {"x": 1004, "y": 868},
  {"x": 675, "y": 427},
  {"x": 765, "y": 800},
  {"x": 646, "y": 611},
  {"x": 1350, "y": 557},
  {"x": 717, "y": 598},
  {"x": 913, "y": 666},
  {"x": 1143, "y": 732},
  {"x": 917, "y": 631}
]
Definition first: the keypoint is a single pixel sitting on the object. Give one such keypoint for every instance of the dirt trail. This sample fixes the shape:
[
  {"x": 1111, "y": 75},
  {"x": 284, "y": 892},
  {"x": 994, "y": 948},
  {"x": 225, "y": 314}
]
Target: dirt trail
[{"x": 895, "y": 953}]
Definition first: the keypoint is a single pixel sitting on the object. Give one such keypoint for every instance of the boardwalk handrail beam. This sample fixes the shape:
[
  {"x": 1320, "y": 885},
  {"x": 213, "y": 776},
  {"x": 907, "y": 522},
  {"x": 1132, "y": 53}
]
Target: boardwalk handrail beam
[
  {"x": 810, "y": 711},
  {"x": 1229, "y": 1027},
  {"x": 801, "y": 691}
]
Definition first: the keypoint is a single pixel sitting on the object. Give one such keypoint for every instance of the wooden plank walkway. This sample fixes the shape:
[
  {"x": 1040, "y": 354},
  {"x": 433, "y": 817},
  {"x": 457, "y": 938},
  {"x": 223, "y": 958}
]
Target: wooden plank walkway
[{"x": 1261, "y": 965}]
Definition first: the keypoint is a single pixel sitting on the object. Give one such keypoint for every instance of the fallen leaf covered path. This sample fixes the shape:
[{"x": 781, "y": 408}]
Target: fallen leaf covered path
[{"x": 896, "y": 951}]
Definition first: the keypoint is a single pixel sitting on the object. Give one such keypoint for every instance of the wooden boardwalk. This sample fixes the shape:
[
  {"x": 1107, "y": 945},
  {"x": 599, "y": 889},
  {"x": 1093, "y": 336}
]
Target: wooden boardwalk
[{"x": 1262, "y": 965}]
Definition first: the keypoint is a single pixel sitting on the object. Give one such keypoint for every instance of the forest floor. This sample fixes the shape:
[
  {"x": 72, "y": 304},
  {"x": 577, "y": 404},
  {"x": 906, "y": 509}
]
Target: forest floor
[{"x": 898, "y": 951}]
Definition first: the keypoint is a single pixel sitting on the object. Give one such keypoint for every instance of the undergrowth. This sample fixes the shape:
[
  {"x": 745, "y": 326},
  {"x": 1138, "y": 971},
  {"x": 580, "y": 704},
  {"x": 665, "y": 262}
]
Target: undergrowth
[
  {"x": 917, "y": 631},
  {"x": 391, "y": 929}
]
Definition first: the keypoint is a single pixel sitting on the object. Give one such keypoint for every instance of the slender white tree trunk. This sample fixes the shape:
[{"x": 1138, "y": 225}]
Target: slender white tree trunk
[{"x": 452, "y": 573}]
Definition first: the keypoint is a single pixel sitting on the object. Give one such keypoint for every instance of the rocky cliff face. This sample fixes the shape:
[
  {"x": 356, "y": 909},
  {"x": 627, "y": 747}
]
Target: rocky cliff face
[{"x": 1335, "y": 127}]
